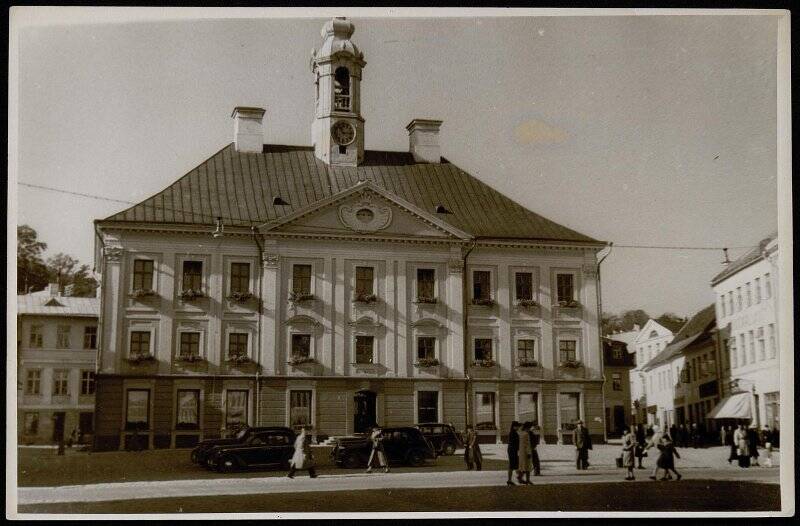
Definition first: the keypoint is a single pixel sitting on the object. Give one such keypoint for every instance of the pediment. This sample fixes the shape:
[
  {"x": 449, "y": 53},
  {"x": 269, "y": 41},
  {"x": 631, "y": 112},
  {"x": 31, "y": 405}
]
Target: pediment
[
  {"x": 366, "y": 210},
  {"x": 427, "y": 322},
  {"x": 53, "y": 303},
  {"x": 366, "y": 321},
  {"x": 302, "y": 319}
]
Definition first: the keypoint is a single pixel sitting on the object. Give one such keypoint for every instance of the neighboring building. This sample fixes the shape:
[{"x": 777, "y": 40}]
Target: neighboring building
[
  {"x": 747, "y": 300},
  {"x": 673, "y": 378},
  {"x": 56, "y": 355},
  {"x": 333, "y": 292},
  {"x": 617, "y": 363}
]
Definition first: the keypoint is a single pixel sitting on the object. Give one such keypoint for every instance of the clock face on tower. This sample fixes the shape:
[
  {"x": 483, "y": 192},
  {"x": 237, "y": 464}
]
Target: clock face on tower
[{"x": 343, "y": 133}]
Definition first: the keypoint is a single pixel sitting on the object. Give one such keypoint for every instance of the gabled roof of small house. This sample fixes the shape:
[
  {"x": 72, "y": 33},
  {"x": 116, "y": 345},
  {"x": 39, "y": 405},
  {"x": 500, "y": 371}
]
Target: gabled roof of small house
[
  {"x": 696, "y": 331},
  {"x": 748, "y": 258},
  {"x": 240, "y": 188},
  {"x": 42, "y": 303}
]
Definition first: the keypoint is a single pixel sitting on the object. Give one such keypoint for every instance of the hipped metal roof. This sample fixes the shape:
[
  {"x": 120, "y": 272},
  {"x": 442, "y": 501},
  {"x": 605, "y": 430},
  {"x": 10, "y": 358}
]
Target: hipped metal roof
[{"x": 43, "y": 304}]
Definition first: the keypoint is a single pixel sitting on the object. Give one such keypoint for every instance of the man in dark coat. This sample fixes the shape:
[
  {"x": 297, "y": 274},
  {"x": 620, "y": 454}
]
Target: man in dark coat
[
  {"x": 535, "y": 439},
  {"x": 583, "y": 443}
]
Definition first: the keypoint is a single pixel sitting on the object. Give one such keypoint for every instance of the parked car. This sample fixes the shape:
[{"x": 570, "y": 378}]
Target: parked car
[
  {"x": 403, "y": 445},
  {"x": 443, "y": 437},
  {"x": 264, "y": 449},
  {"x": 200, "y": 453}
]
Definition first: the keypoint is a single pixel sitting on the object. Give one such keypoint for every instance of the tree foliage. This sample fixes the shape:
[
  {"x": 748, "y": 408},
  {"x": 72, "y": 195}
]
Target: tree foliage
[
  {"x": 34, "y": 274},
  {"x": 624, "y": 322}
]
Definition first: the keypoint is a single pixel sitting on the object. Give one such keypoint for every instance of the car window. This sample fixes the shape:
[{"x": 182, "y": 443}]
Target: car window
[
  {"x": 257, "y": 440},
  {"x": 425, "y": 429},
  {"x": 278, "y": 440},
  {"x": 437, "y": 430}
]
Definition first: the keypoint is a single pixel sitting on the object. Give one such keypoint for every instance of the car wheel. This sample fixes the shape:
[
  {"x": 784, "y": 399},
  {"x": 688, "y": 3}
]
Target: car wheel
[
  {"x": 352, "y": 461},
  {"x": 449, "y": 449},
  {"x": 416, "y": 458},
  {"x": 227, "y": 464}
]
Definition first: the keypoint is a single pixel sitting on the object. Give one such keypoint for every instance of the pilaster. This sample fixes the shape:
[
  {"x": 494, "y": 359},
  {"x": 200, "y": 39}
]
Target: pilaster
[
  {"x": 455, "y": 299},
  {"x": 340, "y": 326},
  {"x": 402, "y": 323},
  {"x": 110, "y": 347},
  {"x": 270, "y": 310},
  {"x": 504, "y": 351}
]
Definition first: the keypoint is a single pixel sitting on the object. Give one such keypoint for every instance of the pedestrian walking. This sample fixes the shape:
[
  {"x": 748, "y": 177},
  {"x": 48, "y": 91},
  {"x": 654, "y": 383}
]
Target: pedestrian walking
[
  {"x": 303, "y": 457},
  {"x": 731, "y": 442},
  {"x": 723, "y": 435},
  {"x": 378, "y": 453},
  {"x": 629, "y": 447},
  {"x": 73, "y": 437},
  {"x": 742, "y": 447},
  {"x": 583, "y": 443},
  {"x": 653, "y": 442},
  {"x": 525, "y": 463},
  {"x": 513, "y": 451},
  {"x": 535, "y": 439},
  {"x": 752, "y": 444},
  {"x": 640, "y": 443},
  {"x": 666, "y": 458},
  {"x": 472, "y": 451}
]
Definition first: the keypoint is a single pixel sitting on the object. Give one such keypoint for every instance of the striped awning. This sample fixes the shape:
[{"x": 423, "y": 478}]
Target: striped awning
[{"x": 735, "y": 406}]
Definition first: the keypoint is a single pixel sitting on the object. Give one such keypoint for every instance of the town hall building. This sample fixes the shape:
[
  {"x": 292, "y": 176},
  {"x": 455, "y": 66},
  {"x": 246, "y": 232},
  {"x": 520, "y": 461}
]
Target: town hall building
[{"x": 338, "y": 287}]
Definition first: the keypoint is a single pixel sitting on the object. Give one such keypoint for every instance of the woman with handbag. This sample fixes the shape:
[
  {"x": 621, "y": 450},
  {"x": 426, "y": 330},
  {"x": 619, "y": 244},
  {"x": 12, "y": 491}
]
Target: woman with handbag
[{"x": 629, "y": 447}]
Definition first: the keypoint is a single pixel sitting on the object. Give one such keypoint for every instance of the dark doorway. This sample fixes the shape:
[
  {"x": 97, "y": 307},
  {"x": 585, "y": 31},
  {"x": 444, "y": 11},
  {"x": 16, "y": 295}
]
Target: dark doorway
[
  {"x": 58, "y": 426},
  {"x": 619, "y": 419},
  {"x": 364, "y": 415}
]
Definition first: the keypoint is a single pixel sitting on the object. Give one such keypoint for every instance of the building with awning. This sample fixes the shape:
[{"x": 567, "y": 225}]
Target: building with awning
[{"x": 734, "y": 407}]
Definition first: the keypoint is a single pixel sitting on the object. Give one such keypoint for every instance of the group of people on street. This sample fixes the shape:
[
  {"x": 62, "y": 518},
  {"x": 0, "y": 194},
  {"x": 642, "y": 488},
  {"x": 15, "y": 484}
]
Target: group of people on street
[
  {"x": 522, "y": 455},
  {"x": 743, "y": 443},
  {"x": 636, "y": 442}
]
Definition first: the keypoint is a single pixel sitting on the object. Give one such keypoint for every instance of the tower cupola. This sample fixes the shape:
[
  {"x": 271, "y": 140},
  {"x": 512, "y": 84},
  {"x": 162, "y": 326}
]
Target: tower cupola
[{"x": 337, "y": 132}]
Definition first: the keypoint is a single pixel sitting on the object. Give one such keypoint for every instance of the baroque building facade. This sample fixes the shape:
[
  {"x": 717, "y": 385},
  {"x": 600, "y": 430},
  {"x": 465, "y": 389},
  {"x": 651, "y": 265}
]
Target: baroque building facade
[{"x": 338, "y": 287}]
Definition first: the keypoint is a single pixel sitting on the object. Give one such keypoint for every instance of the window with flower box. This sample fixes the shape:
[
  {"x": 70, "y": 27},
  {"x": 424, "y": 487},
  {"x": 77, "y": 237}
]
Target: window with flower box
[
  {"x": 143, "y": 274},
  {"x": 426, "y": 348},
  {"x": 237, "y": 345},
  {"x": 192, "y": 276},
  {"x": 483, "y": 350},
  {"x": 526, "y": 352},
  {"x": 240, "y": 278},
  {"x": 565, "y": 287},
  {"x": 140, "y": 344},
  {"x": 364, "y": 349},
  {"x": 426, "y": 285},
  {"x": 481, "y": 285},
  {"x": 568, "y": 351},
  {"x": 189, "y": 346},
  {"x": 523, "y": 286},
  {"x": 365, "y": 281}
]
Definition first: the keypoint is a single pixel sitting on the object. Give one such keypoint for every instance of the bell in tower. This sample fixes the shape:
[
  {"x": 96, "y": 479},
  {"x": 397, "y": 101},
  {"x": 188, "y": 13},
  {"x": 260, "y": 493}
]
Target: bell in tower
[{"x": 338, "y": 129}]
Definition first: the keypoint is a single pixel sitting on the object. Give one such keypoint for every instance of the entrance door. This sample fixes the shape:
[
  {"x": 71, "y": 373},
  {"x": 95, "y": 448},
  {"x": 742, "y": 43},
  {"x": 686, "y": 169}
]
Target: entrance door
[
  {"x": 619, "y": 419},
  {"x": 58, "y": 426},
  {"x": 364, "y": 415}
]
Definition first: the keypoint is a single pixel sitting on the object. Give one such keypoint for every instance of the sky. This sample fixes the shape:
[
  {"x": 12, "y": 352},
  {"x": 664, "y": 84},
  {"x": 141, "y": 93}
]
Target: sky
[{"x": 638, "y": 130}]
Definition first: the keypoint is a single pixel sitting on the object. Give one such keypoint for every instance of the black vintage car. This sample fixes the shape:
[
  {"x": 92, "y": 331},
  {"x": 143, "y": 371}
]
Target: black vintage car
[
  {"x": 263, "y": 449},
  {"x": 443, "y": 437},
  {"x": 403, "y": 445},
  {"x": 200, "y": 453}
]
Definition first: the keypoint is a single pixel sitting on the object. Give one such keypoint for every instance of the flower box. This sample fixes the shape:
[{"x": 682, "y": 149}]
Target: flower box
[
  {"x": 143, "y": 293},
  {"x": 299, "y": 297},
  {"x": 569, "y": 304},
  {"x": 139, "y": 358},
  {"x": 483, "y": 302},
  {"x": 190, "y": 358},
  {"x": 240, "y": 297},
  {"x": 528, "y": 363},
  {"x": 427, "y": 362},
  {"x": 365, "y": 298},
  {"x": 484, "y": 363},
  {"x": 301, "y": 360},
  {"x": 527, "y": 304},
  {"x": 426, "y": 300},
  {"x": 191, "y": 294},
  {"x": 570, "y": 364},
  {"x": 238, "y": 359}
]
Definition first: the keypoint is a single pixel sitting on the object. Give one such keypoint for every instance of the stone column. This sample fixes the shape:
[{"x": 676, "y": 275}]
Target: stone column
[
  {"x": 270, "y": 312},
  {"x": 111, "y": 349}
]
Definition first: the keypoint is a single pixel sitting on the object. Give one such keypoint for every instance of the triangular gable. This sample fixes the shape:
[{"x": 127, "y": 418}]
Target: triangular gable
[
  {"x": 53, "y": 303},
  {"x": 650, "y": 326},
  {"x": 383, "y": 213}
]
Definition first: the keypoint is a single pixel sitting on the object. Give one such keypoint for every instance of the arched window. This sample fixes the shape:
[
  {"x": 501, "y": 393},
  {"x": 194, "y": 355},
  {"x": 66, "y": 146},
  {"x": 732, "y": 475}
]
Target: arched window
[{"x": 341, "y": 89}]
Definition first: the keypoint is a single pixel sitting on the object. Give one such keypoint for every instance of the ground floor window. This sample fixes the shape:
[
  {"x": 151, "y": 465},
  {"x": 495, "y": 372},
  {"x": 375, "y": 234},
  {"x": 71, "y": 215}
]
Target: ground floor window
[
  {"x": 137, "y": 412},
  {"x": 31, "y": 423},
  {"x": 528, "y": 407},
  {"x": 427, "y": 407},
  {"x": 86, "y": 422},
  {"x": 569, "y": 409},
  {"x": 236, "y": 401},
  {"x": 484, "y": 410},
  {"x": 299, "y": 408},
  {"x": 188, "y": 409}
]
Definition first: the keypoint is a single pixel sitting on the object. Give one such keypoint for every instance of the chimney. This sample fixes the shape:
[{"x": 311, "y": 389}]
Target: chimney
[
  {"x": 423, "y": 140},
  {"x": 53, "y": 287},
  {"x": 248, "y": 134}
]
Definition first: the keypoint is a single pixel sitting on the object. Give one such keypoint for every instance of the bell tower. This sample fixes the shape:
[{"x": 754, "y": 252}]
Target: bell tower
[{"x": 337, "y": 132}]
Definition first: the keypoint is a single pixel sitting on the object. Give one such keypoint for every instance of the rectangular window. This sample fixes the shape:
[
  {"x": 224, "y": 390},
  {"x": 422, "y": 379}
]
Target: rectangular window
[
  {"x": 426, "y": 283},
  {"x": 87, "y": 382},
  {"x": 299, "y": 409},
  {"x": 526, "y": 351},
  {"x": 730, "y": 303},
  {"x": 773, "y": 348},
  {"x": 301, "y": 345},
  {"x": 742, "y": 350},
  {"x": 142, "y": 274},
  {"x": 616, "y": 381},
  {"x": 569, "y": 409},
  {"x": 767, "y": 287},
  {"x": 565, "y": 287},
  {"x": 31, "y": 423},
  {"x": 426, "y": 348},
  {"x": 364, "y": 348},
  {"x": 137, "y": 410},
  {"x": 568, "y": 350},
  {"x": 616, "y": 354},
  {"x": 365, "y": 281},
  {"x": 484, "y": 410},
  {"x": 140, "y": 343},
  {"x": 528, "y": 407},
  {"x": 62, "y": 339},
  {"x": 190, "y": 344},
  {"x": 483, "y": 349},
  {"x": 757, "y": 290},
  {"x": 240, "y": 277},
  {"x": 33, "y": 382},
  {"x": 237, "y": 344},
  {"x": 301, "y": 279},
  {"x": 37, "y": 336},
  {"x": 193, "y": 275},
  {"x": 427, "y": 407},
  {"x": 722, "y": 306},
  {"x": 524, "y": 285},
  {"x": 90, "y": 337},
  {"x": 60, "y": 382},
  {"x": 752, "y": 346},
  {"x": 236, "y": 407},
  {"x": 738, "y": 299},
  {"x": 762, "y": 345},
  {"x": 748, "y": 298},
  {"x": 481, "y": 284},
  {"x": 188, "y": 409}
]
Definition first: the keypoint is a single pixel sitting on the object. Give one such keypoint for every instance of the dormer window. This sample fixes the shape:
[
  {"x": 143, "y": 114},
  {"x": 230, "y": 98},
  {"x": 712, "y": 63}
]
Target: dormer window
[{"x": 341, "y": 89}]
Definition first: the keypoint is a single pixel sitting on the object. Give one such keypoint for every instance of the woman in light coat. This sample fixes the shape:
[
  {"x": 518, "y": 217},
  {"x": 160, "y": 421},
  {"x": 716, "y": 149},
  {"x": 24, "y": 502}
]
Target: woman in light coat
[
  {"x": 303, "y": 457},
  {"x": 742, "y": 445},
  {"x": 525, "y": 453},
  {"x": 629, "y": 449}
]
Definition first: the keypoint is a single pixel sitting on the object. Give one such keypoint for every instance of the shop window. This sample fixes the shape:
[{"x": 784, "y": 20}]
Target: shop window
[
  {"x": 236, "y": 407},
  {"x": 87, "y": 383},
  {"x": 483, "y": 349},
  {"x": 569, "y": 409},
  {"x": 484, "y": 410},
  {"x": 301, "y": 345},
  {"x": 36, "y": 336},
  {"x": 237, "y": 344},
  {"x": 137, "y": 409},
  {"x": 299, "y": 408},
  {"x": 426, "y": 348},
  {"x": 364, "y": 349},
  {"x": 301, "y": 279},
  {"x": 523, "y": 285},
  {"x": 426, "y": 280},
  {"x": 188, "y": 409},
  {"x": 481, "y": 285},
  {"x": 427, "y": 407},
  {"x": 143, "y": 274},
  {"x": 33, "y": 382},
  {"x": 240, "y": 278},
  {"x": 90, "y": 337},
  {"x": 528, "y": 407},
  {"x": 60, "y": 382},
  {"x": 192, "y": 276},
  {"x": 365, "y": 281},
  {"x": 62, "y": 338}
]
